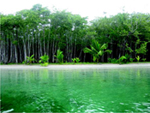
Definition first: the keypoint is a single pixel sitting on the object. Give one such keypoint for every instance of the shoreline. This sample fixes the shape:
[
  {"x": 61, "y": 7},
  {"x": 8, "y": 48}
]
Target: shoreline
[{"x": 77, "y": 66}]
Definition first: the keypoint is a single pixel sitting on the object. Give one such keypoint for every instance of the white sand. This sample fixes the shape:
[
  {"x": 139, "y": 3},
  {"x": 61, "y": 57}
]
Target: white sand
[{"x": 81, "y": 66}]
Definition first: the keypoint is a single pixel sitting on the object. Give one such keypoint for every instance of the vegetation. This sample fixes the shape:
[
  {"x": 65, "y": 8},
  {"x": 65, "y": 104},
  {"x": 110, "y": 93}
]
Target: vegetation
[
  {"x": 59, "y": 56},
  {"x": 96, "y": 50},
  {"x": 38, "y": 31},
  {"x": 44, "y": 59},
  {"x": 122, "y": 59},
  {"x": 138, "y": 58},
  {"x": 29, "y": 59},
  {"x": 76, "y": 60}
]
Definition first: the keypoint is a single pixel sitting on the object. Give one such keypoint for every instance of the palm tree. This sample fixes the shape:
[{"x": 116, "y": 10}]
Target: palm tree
[{"x": 97, "y": 50}]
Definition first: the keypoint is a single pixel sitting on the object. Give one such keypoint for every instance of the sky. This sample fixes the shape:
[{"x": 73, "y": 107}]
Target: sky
[{"x": 86, "y": 8}]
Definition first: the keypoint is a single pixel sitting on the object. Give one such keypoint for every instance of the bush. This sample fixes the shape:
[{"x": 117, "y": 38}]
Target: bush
[
  {"x": 122, "y": 59},
  {"x": 29, "y": 59},
  {"x": 44, "y": 60},
  {"x": 45, "y": 64},
  {"x": 76, "y": 60},
  {"x": 127, "y": 58},
  {"x": 138, "y": 58},
  {"x": 131, "y": 59},
  {"x": 113, "y": 60},
  {"x": 144, "y": 59},
  {"x": 59, "y": 56}
]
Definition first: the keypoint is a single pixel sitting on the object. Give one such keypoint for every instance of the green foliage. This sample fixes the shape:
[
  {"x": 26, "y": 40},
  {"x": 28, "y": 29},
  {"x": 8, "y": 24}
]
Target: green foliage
[
  {"x": 113, "y": 60},
  {"x": 24, "y": 62},
  {"x": 128, "y": 48},
  {"x": 142, "y": 49},
  {"x": 44, "y": 64},
  {"x": 122, "y": 59},
  {"x": 127, "y": 58},
  {"x": 138, "y": 58},
  {"x": 76, "y": 60},
  {"x": 30, "y": 59},
  {"x": 144, "y": 59},
  {"x": 97, "y": 50},
  {"x": 44, "y": 59},
  {"x": 131, "y": 59},
  {"x": 108, "y": 51},
  {"x": 59, "y": 56},
  {"x": 39, "y": 30}
]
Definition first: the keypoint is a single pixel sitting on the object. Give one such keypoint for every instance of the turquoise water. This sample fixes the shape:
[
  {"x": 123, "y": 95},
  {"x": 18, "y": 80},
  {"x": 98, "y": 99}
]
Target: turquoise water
[{"x": 92, "y": 90}]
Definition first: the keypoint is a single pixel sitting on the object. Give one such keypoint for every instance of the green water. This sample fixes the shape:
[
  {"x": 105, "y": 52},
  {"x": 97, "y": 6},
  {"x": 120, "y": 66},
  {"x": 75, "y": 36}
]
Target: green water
[{"x": 93, "y": 90}]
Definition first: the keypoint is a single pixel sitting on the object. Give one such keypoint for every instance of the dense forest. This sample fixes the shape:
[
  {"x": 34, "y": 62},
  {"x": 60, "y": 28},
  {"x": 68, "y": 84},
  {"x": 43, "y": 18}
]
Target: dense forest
[{"x": 39, "y": 32}]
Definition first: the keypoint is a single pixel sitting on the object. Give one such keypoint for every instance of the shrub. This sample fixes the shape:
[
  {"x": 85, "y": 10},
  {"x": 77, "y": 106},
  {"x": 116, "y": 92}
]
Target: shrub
[
  {"x": 144, "y": 59},
  {"x": 113, "y": 60},
  {"x": 45, "y": 64},
  {"x": 44, "y": 59},
  {"x": 76, "y": 60},
  {"x": 127, "y": 58},
  {"x": 122, "y": 59},
  {"x": 138, "y": 58},
  {"x": 59, "y": 56},
  {"x": 131, "y": 59},
  {"x": 29, "y": 59}
]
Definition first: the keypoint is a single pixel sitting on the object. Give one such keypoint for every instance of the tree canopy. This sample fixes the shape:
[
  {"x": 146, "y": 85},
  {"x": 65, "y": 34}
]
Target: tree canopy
[{"x": 39, "y": 31}]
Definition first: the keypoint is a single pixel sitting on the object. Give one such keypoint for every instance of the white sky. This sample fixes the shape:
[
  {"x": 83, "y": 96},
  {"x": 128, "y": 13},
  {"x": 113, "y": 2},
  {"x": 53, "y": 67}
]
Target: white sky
[{"x": 90, "y": 8}]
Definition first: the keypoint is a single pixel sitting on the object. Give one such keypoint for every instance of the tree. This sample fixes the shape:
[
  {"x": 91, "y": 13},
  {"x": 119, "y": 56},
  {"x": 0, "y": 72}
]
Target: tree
[{"x": 40, "y": 31}]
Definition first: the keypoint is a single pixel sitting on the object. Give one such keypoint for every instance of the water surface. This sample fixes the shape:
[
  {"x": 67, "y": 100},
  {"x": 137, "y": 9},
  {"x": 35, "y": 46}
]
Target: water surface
[{"x": 92, "y": 90}]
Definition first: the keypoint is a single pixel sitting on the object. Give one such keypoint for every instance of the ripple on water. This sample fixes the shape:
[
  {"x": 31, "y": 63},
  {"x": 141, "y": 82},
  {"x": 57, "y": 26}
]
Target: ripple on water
[
  {"x": 137, "y": 104},
  {"x": 112, "y": 101},
  {"x": 101, "y": 109},
  {"x": 89, "y": 110},
  {"x": 121, "y": 103},
  {"x": 143, "y": 107},
  {"x": 146, "y": 104},
  {"x": 82, "y": 106}
]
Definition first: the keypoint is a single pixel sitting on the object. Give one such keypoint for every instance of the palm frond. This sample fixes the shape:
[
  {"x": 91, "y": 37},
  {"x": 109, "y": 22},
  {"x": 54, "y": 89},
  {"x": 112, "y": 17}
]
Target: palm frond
[
  {"x": 96, "y": 45},
  {"x": 94, "y": 50},
  {"x": 109, "y": 51},
  {"x": 100, "y": 53},
  {"x": 87, "y": 50},
  {"x": 104, "y": 46}
]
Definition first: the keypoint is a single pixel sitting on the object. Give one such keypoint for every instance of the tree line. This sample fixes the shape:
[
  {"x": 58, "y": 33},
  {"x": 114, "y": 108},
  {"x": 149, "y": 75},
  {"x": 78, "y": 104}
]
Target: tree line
[{"x": 40, "y": 32}]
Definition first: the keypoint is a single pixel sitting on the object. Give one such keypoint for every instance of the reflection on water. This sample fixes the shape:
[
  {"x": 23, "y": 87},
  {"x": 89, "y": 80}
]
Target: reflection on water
[{"x": 107, "y": 90}]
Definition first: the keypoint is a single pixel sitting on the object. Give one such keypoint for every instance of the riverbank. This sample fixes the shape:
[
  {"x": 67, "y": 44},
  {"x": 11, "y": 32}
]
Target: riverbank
[{"x": 76, "y": 66}]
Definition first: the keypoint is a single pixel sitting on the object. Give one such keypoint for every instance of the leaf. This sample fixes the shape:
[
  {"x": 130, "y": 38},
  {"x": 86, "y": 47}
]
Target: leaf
[
  {"x": 100, "y": 53},
  {"x": 94, "y": 50},
  {"x": 87, "y": 50},
  {"x": 94, "y": 58},
  {"x": 109, "y": 51},
  {"x": 104, "y": 46}
]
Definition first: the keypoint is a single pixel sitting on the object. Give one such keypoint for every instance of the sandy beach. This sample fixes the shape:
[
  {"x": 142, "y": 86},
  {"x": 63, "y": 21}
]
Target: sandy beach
[{"x": 78, "y": 66}]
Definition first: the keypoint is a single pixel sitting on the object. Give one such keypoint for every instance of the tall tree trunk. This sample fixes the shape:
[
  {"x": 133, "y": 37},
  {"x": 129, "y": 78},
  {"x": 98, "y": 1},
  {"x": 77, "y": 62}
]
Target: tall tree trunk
[
  {"x": 25, "y": 51},
  {"x": 53, "y": 52},
  {"x": 84, "y": 57},
  {"x": 16, "y": 55},
  {"x": 29, "y": 45},
  {"x": 75, "y": 48}
]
